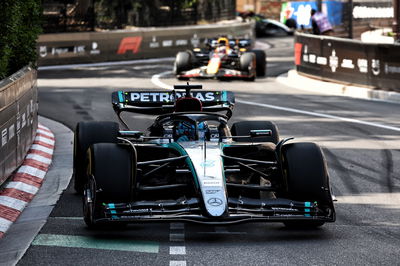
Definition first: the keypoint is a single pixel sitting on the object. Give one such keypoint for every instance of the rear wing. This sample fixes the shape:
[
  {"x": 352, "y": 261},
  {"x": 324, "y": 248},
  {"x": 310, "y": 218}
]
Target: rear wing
[{"x": 163, "y": 102}]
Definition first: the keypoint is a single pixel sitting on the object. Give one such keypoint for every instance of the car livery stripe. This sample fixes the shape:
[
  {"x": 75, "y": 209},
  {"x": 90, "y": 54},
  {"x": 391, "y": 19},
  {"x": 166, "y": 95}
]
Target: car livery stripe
[
  {"x": 26, "y": 181},
  {"x": 177, "y": 147}
]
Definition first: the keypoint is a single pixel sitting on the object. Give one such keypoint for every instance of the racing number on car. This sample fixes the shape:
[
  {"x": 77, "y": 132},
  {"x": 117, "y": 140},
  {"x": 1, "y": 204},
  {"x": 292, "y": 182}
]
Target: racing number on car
[{"x": 129, "y": 44}]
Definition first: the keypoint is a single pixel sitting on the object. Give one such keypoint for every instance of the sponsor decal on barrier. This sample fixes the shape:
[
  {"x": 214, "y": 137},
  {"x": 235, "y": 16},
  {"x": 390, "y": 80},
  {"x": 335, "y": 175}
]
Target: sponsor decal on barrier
[
  {"x": 129, "y": 44},
  {"x": 390, "y": 69},
  {"x": 347, "y": 63},
  {"x": 333, "y": 61},
  {"x": 167, "y": 43},
  {"x": 362, "y": 12},
  {"x": 43, "y": 51},
  {"x": 362, "y": 65},
  {"x": 95, "y": 50},
  {"x": 154, "y": 43},
  {"x": 376, "y": 69},
  {"x": 297, "y": 52},
  {"x": 3, "y": 137}
]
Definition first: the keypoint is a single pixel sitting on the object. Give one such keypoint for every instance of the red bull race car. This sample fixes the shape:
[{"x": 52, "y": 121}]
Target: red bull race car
[
  {"x": 223, "y": 58},
  {"x": 192, "y": 166}
]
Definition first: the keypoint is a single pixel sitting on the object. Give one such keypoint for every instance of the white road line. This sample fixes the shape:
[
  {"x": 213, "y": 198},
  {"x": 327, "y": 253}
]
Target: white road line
[
  {"x": 12, "y": 203},
  {"x": 176, "y": 237},
  {"x": 23, "y": 187},
  {"x": 177, "y": 226},
  {"x": 177, "y": 250},
  {"x": 156, "y": 81},
  {"x": 177, "y": 263},
  {"x": 104, "y": 64},
  {"x": 292, "y": 110},
  {"x": 33, "y": 171}
]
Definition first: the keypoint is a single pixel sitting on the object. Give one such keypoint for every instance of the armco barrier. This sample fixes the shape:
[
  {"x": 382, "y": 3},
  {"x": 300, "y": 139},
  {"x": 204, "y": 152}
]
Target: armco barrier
[
  {"x": 90, "y": 47},
  {"x": 18, "y": 119},
  {"x": 349, "y": 61}
]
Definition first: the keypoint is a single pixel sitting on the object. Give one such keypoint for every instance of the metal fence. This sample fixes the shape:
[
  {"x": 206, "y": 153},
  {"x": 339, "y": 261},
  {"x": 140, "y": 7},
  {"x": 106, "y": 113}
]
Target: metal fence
[{"x": 18, "y": 119}]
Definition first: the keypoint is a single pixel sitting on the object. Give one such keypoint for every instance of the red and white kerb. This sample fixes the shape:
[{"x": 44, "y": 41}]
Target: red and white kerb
[{"x": 27, "y": 179}]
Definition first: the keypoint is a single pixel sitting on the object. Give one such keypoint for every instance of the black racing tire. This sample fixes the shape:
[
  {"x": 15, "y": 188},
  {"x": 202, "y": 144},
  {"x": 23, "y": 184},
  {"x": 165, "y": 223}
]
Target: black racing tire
[
  {"x": 291, "y": 23},
  {"x": 247, "y": 64},
  {"x": 261, "y": 62},
  {"x": 183, "y": 62},
  {"x": 243, "y": 128},
  {"x": 86, "y": 134},
  {"x": 307, "y": 178},
  {"x": 112, "y": 170}
]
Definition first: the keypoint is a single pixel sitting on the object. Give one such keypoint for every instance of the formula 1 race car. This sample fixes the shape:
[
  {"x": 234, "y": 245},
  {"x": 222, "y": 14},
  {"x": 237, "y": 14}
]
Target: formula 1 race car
[
  {"x": 193, "y": 167},
  {"x": 223, "y": 58}
]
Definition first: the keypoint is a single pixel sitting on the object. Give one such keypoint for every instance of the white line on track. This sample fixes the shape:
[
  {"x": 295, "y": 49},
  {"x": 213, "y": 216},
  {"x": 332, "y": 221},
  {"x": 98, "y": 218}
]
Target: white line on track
[
  {"x": 104, "y": 64},
  {"x": 156, "y": 81}
]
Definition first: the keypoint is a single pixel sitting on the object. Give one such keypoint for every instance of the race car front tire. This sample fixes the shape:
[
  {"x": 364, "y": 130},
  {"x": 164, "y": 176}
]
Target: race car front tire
[
  {"x": 261, "y": 62},
  {"x": 243, "y": 128},
  {"x": 86, "y": 134},
  {"x": 307, "y": 178},
  {"x": 247, "y": 64},
  {"x": 112, "y": 171}
]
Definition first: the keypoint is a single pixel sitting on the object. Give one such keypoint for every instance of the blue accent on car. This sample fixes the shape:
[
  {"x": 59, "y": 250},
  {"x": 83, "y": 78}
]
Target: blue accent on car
[{"x": 120, "y": 97}]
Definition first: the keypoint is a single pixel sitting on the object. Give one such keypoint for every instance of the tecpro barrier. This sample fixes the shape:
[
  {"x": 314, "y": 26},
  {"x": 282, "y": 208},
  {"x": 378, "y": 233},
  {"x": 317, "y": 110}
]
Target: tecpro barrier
[
  {"x": 18, "y": 119},
  {"x": 348, "y": 61},
  {"x": 91, "y": 47}
]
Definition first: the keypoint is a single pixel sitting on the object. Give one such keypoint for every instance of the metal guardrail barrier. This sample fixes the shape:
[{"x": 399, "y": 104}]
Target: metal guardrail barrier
[
  {"x": 348, "y": 61},
  {"x": 18, "y": 119},
  {"x": 91, "y": 47}
]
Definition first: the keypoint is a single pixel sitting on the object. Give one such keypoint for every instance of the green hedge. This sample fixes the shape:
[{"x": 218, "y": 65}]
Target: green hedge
[{"x": 20, "y": 24}]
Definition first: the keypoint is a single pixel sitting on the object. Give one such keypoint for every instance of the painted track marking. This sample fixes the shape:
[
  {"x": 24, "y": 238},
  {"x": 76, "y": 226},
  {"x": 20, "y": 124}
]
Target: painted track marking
[
  {"x": 28, "y": 178},
  {"x": 156, "y": 81},
  {"x": 177, "y": 247}
]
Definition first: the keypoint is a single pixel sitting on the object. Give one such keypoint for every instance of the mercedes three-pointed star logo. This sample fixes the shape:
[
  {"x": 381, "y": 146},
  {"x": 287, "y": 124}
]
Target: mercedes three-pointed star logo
[{"x": 214, "y": 202}]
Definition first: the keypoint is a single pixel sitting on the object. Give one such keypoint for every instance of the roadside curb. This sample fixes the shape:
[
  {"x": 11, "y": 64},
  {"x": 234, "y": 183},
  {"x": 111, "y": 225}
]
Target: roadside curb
[
  {"x": 28, "y": 178},
  {"x": 18, "y": 238},
  {"x": 293, "y": 79}
]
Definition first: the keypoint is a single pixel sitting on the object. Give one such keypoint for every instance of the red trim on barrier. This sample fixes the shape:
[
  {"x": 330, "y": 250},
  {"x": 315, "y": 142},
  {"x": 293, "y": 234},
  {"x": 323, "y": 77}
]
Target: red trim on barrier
[{"x": 297, "y": 53}]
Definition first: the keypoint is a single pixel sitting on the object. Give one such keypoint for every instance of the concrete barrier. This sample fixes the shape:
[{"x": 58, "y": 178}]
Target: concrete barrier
[
  {"x": 91, "y": 47},
  {"x": 376, "y": 65},
  {"x": 18, "y": 119}
]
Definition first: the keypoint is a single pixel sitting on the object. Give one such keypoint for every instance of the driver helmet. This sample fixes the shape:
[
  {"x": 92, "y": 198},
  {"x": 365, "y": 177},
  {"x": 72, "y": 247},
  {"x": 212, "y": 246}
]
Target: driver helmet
[{"x": 185, "y": 131}]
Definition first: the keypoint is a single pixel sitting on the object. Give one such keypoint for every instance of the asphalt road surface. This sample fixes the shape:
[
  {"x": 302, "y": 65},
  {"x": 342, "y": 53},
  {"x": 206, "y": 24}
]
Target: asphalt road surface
[{"x": 359, "y": 138}]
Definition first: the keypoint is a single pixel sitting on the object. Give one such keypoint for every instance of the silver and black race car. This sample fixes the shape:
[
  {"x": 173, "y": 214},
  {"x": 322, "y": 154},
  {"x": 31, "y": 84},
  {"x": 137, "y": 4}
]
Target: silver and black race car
[
  {"x": 192, "y": 166},
  {"x": 222, "y": 58}
]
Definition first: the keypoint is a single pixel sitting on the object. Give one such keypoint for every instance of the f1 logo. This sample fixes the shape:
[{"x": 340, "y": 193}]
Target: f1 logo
[{"x": 129, "y": 44}]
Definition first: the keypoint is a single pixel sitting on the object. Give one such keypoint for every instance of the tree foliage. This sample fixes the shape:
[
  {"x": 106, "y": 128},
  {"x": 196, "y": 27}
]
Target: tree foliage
[{"x": 19, "y": 27}]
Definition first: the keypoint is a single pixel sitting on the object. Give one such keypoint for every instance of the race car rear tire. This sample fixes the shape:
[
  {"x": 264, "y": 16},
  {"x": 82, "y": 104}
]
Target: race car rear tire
[
  {"x": 261, "y": 62},
  {"x": 112, "y": 171},
  {"x": 243, "y": 128},
  {"x": 86, "y": 134},
  {"x": 247, "y": 64},
  {"x": 183, "y": 62},
  {"x": 307, "y": 178}
]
